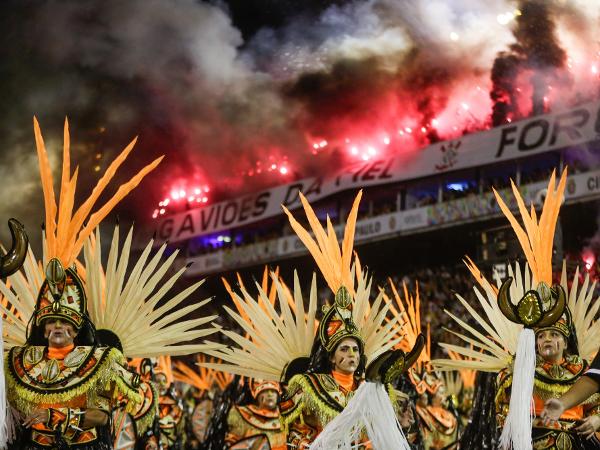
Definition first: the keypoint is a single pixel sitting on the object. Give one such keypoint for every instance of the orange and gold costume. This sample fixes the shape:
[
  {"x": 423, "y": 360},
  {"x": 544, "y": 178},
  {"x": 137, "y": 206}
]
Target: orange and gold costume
[
  {"x": 247, "y": 421},
  {"x": 312, "y": 401},
  {"x": 551, "y": 381}
]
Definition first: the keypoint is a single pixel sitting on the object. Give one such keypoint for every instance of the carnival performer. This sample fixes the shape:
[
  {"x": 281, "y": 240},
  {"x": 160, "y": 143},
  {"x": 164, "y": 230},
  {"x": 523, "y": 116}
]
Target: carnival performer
[
  {"x": 134, "y": 430},
  {"x": 558, "y": 366},
  {"x": 438, "y": 424},
  {"x": 66, "y": 323},
  {"x": 171, "y": 418},
  {"x": 584, "y": 389},
  {"x": 256, "y": 422},
  {"x": 205, "y": 385},
  {"x": 557, "y": 363},
  {"x": 327, "y": 404}
]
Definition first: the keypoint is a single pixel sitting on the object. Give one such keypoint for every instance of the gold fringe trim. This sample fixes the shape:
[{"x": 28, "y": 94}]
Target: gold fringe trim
[
  {"x": 25, "y": 400},
  {"x": 309, "y": 401},
  {"x": 547, "y": 391}
]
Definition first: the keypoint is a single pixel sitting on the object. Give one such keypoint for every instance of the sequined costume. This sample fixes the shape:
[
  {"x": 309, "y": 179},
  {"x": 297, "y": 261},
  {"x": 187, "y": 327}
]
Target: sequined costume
[
  {"x": 65, "y": 381},
  {"x": 438, "y": 424}
]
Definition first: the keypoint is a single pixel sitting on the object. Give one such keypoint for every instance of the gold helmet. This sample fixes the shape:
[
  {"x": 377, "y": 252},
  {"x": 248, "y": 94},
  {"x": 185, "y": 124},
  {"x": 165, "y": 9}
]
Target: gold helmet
[
  {"x": 337, "y": 323},
  {"x": 61, "y": 296}
]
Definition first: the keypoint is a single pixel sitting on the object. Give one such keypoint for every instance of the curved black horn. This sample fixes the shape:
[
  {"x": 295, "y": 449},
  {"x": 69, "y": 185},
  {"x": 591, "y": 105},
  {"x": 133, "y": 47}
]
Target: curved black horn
[
  {"x": 13, "y": 260},
  {"x": 557, "y": 310},
  {"x": 505, "y": 303},
  {"x": 412, "y": 356}
]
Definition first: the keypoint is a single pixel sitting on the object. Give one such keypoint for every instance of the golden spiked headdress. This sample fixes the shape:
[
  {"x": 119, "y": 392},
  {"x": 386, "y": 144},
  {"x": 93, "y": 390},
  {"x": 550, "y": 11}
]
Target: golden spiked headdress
[
  {"x": 544, "y": 305},
  {"x": 335, "y": 266}
]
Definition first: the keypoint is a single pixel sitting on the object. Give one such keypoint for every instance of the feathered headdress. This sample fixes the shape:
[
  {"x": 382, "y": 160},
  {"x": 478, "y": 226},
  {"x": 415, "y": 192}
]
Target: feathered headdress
[
  {"x": 202, "y": 378},
  {"x": 66, "y": 231},
  {"x": 43, "y": 291},
  {"x": 127, "y": 306},
  {"x": 279, "y": 338},
  {"x": 127, "y": 299}
]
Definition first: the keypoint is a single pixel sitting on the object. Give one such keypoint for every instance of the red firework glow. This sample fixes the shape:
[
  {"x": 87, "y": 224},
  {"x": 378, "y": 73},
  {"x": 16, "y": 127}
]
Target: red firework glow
[
  {"x": 181, "y": 198},
  {"x": 274, "y": 164},
  {"x": 369, "y": 105}
]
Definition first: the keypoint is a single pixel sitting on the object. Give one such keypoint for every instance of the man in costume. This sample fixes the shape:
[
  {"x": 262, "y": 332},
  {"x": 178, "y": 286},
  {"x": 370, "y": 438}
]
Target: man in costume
[
  {"x": 438, "y": 425},
  {"x": 171, "y": 419},
  {"x": 65, "y": 390},
  {"x": 531, "y": 344},
  {"x": 249, "y": 424},
  {"x": 315, "y": 399},
  {"x": 583, "y": 391},
  {"x": 558, "y": 366},
  {"x": 205, "y": 386},
  {"x": 66, "y": 368},
  {"x": 328, "y": 402}
]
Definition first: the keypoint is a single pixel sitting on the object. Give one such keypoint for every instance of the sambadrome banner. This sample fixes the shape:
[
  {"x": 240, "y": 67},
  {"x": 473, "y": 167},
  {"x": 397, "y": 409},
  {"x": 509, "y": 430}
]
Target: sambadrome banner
[
  {"x": 527, "y": 137},
  {"x": 580, "y": 187}
]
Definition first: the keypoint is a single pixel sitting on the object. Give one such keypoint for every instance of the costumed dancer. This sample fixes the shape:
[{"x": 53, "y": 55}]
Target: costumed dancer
[
  {"x": 205, "y": 386},
  {"x": 171, "y": 417},
  {"x": 541, "y": 321},
  {"x": 586, "y": 388},
  {"x": 132, "y": 430},
  {"x": 63, "y": 376},
  {"x": 257, "y": 424},
  {"x": 328, "y": 404},
  {"x": 437, "y": 417},
  {"x": 255, "y": 421},
  {"x": 242, "y": 418}
]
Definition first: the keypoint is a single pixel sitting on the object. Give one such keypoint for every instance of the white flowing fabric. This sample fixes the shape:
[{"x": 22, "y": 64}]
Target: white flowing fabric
[
  {"x": 370, "y": 410},
  {"x": 517, "y": 428},
  {"x": 7, "y": 426}
]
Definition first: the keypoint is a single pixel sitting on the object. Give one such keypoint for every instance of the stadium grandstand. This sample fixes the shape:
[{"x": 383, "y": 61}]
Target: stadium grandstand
[{"x": 443, "y": 191}]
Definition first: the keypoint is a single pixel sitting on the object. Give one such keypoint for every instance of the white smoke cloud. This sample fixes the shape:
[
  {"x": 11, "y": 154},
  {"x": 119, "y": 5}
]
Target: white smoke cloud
[{"x": 181, "y": 41}]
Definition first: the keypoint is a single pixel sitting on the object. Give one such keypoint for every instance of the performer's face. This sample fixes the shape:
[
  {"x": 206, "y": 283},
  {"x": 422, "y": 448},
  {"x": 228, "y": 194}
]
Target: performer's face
[
  {"x": 346, "y": 357},
  {"x": 267, "y": 399},
  {"x": 551, "y": 345},
  {"x": 161, "y": 380},
  {"x": 59, "y": 333}
]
